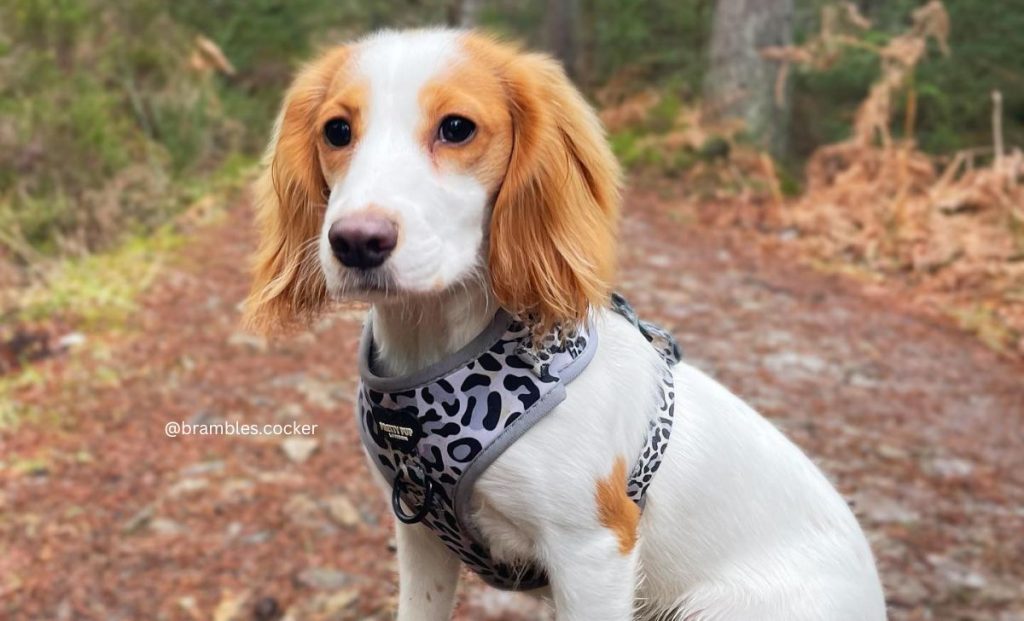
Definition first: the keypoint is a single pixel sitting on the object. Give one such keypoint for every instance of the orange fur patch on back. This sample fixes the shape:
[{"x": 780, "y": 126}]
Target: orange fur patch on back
[{"x": 614, "y": 508}]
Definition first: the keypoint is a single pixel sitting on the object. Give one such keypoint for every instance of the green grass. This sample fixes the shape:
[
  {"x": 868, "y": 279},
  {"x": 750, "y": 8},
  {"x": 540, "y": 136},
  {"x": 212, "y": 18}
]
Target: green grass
[
  {"x": 96, "y": 293},
  {"x": 12, "y": 411},
  {"x": 985, "y": 323},
  {"x": 99, "y": 293},
  {"x": 100, "y": 290}
]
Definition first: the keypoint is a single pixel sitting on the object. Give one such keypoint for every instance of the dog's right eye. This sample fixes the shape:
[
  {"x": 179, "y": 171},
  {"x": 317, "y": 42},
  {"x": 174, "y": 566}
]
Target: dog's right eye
[
  {"x": 455, "y": 129},
  {"x": 337, "y": 132}
]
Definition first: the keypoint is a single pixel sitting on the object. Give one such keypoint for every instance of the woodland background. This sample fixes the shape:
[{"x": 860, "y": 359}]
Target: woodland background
[
  {"x": 824, "y": 203},
  {"x": 875, "y": 119}
]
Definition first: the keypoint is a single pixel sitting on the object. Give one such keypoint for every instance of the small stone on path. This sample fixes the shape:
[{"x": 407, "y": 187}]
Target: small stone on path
[
  {"x": 342, "y": 511},
  {"x": 323, "y": 578},
  {"x": 299, "y": 450}
]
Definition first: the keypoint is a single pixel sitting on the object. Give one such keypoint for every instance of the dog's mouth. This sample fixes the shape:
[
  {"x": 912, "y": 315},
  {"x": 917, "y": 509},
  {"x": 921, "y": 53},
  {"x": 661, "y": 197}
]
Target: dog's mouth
[
  {"x": 370, "y": 285},
  {"x": 389, "y": 283},
  {"x": 363, "y": 285},
  {"x": 379, "y": 286}
]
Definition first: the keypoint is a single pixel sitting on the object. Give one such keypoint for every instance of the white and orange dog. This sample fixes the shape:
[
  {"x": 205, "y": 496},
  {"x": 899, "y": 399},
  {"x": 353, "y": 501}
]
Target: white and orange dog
[{"x": 442, "y": 175}]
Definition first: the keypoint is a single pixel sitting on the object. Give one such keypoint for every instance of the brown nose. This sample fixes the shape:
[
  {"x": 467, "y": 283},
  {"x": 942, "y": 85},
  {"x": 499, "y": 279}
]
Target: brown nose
[{"x": 362, "y": 241}]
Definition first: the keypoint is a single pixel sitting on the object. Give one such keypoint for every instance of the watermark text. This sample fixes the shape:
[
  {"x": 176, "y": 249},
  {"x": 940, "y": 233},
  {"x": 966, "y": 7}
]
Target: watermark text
[{"x": 174, "y": 428}]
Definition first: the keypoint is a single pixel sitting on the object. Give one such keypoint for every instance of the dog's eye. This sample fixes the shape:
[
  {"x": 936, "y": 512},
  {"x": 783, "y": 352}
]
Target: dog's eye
[
  {"x": 337, "y": 132},
  {"x": 455, "y": 129}
]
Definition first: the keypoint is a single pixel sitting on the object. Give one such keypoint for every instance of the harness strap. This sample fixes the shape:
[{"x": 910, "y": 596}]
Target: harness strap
[{"x": 433, "y": 433}]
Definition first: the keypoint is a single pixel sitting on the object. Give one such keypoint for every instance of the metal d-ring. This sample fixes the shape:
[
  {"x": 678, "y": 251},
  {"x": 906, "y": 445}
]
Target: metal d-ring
[{"x": 396, "y": 500}]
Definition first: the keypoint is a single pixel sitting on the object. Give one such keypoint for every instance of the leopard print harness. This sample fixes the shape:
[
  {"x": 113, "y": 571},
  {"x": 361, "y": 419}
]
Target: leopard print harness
[{"x": 434, "y": 432}]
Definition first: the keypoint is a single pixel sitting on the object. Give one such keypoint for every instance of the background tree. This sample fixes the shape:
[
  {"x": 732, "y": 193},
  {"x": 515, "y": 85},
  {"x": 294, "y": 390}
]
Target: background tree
[
  {"x": 739, "y": 82},
  {"x": 464, "y": 13},
  {"x": 562, "y": 28}
]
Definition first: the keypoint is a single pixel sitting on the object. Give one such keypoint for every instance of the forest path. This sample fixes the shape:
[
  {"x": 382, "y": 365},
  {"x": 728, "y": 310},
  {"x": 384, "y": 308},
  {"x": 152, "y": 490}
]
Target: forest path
[{"x": 104, "y": 517}]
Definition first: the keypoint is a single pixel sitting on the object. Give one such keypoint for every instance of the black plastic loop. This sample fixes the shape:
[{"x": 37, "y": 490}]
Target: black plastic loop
[{"x": 396, "y": 500}]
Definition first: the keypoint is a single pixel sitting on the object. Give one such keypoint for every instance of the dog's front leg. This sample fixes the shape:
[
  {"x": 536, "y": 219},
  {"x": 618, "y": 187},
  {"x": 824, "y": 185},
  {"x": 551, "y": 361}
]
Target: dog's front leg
[
  {"x": 427, "y": 575},
  {"x": 593, "y": 576}
]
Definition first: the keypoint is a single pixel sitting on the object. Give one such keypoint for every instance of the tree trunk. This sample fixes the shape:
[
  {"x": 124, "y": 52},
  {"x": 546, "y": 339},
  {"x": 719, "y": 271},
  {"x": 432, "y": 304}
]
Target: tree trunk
[
  {"x": 462, "y": 13},
  {"x": 741, "y": 84},
  {"x": 563, "y": 18}
]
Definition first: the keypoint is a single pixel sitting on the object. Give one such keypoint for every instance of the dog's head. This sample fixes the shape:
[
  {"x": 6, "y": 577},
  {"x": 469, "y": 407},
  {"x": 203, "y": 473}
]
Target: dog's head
[{"x": 409, "y": 163}]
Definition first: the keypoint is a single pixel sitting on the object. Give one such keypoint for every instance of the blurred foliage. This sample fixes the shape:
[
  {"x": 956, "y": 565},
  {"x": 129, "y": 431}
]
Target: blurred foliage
[
  {"x": 666, "y": 40},
  {"x": 107, "y": 127},
  {"x": 99, "y": 122},
  {"x": 105, "y": 124},
  {"x": 953, "y": 94},
  {"x": 100, "y": 289}
]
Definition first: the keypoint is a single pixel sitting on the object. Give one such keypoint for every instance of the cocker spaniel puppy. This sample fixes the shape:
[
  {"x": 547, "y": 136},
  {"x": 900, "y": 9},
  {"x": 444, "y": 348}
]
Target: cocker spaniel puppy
[{"x": 525, "y": 422}]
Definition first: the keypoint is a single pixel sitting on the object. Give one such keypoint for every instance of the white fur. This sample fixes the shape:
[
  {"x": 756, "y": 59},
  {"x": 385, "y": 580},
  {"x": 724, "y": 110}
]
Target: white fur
[
  {"x": 739, "y": 524},
  {"x": 392, "y": 172}
]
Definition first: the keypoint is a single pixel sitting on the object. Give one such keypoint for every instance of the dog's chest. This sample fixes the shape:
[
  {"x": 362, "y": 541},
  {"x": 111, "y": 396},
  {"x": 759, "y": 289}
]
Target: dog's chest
[{"x": 433, "y": 434}]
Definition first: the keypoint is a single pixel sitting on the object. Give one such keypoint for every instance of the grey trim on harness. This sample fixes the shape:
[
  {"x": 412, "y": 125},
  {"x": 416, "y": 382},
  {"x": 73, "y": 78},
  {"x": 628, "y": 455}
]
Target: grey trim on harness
[
  {"x": 464, "y": 488},
  {"x": 501, "y": 322},
  {"x": 497, "y": 327}
]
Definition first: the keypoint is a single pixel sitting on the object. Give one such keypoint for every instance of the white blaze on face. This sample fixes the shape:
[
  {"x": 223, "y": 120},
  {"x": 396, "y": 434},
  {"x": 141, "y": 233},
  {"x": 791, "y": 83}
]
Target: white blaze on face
[{"x": 440, "y": 214}]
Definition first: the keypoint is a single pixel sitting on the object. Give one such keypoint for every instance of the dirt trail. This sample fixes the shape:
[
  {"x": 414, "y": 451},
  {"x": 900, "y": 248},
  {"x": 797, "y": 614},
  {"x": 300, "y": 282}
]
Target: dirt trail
[{"x": 104, "y": 517}]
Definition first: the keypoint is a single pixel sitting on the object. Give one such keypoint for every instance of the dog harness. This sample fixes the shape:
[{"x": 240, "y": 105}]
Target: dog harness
[{"x": 434, "y": 432}]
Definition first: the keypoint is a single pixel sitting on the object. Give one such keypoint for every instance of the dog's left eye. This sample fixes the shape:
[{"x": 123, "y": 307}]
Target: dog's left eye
[
  {"x": 338, "y": 132},
  {"x": 455, "y": 129}
]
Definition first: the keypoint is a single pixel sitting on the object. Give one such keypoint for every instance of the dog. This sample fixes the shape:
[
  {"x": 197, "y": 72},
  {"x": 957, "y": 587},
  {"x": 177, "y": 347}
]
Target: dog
[{"x": 445, "y": 176}]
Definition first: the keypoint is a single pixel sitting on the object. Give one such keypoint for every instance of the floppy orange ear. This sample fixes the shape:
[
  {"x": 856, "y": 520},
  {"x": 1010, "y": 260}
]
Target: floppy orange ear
[
  {"x": 290, "y": 198},
  {"x": 552, "y": 236}
]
